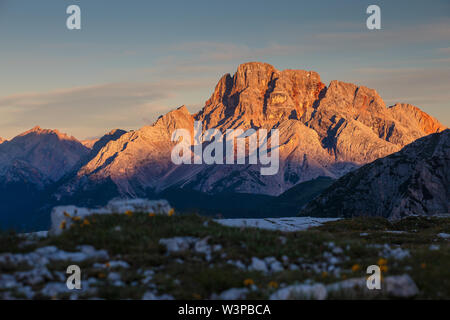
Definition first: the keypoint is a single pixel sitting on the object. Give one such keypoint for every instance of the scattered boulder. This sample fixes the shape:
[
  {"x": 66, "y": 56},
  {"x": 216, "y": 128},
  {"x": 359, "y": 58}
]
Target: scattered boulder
[
  {"x": 402, "y": 286},
  {"x": 152, "y": 296},
  {"x": 233, "y": 294},
  {"x": 301, "y": 291},
  {"x": 258, "y": 265},
  {"x": 62, "y": 217},
  {"x": 178, "y": 244}
]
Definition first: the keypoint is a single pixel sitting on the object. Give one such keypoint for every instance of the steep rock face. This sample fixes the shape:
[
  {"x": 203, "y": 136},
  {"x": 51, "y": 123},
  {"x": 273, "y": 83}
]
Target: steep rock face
[
  {"x": 140, "y": 157},
  {"x": 258, "y": 95},
  {"x": 324, "y": 131},
  {"x": 415, "y": 180}
]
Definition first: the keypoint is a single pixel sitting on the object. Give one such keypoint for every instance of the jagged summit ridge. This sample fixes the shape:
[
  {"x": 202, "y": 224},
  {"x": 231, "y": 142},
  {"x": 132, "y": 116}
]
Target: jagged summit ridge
[{"x": 258, "y": 95}]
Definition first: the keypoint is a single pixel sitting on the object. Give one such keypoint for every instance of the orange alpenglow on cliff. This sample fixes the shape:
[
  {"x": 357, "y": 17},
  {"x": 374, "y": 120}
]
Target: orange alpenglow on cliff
[{"x": 323, "y": 131}]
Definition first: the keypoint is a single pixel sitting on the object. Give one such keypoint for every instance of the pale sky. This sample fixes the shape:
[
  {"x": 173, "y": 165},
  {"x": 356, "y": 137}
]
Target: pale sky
[{"x": 135, "y": 60}]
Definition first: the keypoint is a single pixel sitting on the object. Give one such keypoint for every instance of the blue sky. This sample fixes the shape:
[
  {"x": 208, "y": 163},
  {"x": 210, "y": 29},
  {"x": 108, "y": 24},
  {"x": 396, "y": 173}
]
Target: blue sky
[{"x": 134, "y": 60}]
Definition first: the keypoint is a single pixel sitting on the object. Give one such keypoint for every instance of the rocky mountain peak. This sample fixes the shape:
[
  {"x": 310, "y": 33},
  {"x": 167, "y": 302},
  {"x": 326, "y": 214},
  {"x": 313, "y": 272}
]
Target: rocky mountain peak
[
  {"x": 2, "y": 140},
  {"x": 258, "y": 95},
  {"x": 179, "y": 118},
  {"x": 405, "y": 113},
  {"x": 37, "y": 130}
]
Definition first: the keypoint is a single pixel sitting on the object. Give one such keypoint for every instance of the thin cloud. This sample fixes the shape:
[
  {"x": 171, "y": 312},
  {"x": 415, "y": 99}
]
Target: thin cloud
[{"x": 83, "y": 110}]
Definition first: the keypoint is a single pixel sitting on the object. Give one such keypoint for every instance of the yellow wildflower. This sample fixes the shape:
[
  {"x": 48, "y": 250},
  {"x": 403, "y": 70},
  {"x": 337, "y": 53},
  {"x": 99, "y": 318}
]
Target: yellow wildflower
[
  {"x": 66, "y": 214},
  {"x": 171, "y": 212},
  {"x": 356, "y": 267},
  {"x": 129, "y": 213},
  {"x": 382, "y": 262},
  {"x": 384, "y": 268},
  {"x": 152, "y": 214},
  {"x": 324, "y": 274},
  {"x": 197, "y": 296},
  {"x": 86, "y": 222},
  {"x": 249, "y": 282},
  {"x": 273, "y": 284},
  {"x": 101, "y": 275},
  {"x": 63, "y": 225},
  {"x": 76, "y": 218}
]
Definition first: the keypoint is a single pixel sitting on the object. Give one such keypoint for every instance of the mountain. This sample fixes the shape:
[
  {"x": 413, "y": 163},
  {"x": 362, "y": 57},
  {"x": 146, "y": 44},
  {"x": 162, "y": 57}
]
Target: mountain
[
  {"x": 325, "y": 131},
  {"x": 413, "y": 181},
  {"x": 30, "y": 163},
  {"x": 2, "y": 140},
  {"x": 46, "y": 153},
  {"x": 97, "y": 143}
]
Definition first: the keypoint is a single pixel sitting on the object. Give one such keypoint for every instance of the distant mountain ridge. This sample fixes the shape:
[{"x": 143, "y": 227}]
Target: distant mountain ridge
[
  {"x": 30, "y": 163},
  {"x": 325, "y": 131},
  {"x": 413, "y": 181}
]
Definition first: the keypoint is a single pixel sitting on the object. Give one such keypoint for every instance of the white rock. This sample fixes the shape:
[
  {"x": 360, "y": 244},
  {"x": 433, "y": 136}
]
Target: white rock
[
  {"x": 114, "y": 276},
  {"x": 338, "y": 250},
  {"x": 234, "y": 294},
  {"x": 293, "y": 267},
  {"x": 26, "y": 291},
  {"x": 118, "y": 264},
  {"x": 290, "y": 224},
  {"x": 45, "y": 255},
  {"x": 148, "y": 276},
  {"x": 276, "y": 266},
  {"x": 444, "y": 235},
  {"x": 61, "y": 217},
  {"x": 178, "y": 244},
  {"x": 53, "y": 289},
  {"x": 151, "y": 296},
  {"x": 8, "y": 281},
  {"x": 258, "y": 265},
  {"x": 397, "y": 253},
  {"x": 34, "y": 276},
  {"x": 401, "y": 286},
  {"x": 348, "y": 284},
  {"x": 434, "y": 247},
  {"x": 202, "y": 246},
  {"x": 301, "y": 291},
  {"x": 161, "y": 207},
  {"x": 238, "y": 264},
  {"x": 395, "y": 286}
]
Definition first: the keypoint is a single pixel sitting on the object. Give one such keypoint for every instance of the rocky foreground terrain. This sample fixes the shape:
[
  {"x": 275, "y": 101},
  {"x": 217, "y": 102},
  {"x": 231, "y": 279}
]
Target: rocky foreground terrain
[{"x": 152, "y": 256}]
